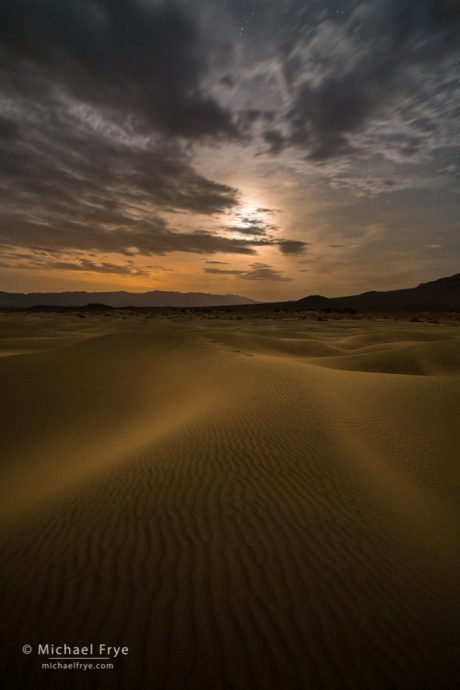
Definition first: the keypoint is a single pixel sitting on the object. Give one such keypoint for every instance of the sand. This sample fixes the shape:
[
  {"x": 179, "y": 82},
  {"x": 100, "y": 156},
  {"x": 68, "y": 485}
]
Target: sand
[{"x": 245, "y": 504}]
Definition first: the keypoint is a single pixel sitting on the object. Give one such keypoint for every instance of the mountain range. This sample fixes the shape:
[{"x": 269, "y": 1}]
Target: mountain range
[
  {"x": 155, "y": 298},
  {"x": 442, "y": 295}
]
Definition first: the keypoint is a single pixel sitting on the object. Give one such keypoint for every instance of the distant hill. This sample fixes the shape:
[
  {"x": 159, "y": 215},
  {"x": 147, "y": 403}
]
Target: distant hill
[
  {"x": 441, "y": 295},
  {"x": 155, "y": 298}
]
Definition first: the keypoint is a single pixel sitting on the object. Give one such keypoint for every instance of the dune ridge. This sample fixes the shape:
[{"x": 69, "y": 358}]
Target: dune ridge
[{"x": 246, "y": 505}]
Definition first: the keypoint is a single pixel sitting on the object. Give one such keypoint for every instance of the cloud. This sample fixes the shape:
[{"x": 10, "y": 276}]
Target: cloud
[
  {"x": 78, "y": 172},
  {"x": 148, "y": 238},
  {"x": 71, "y": 153},
  {"x": 99, "y": 104},
  {"x": 223, "y": 272},
  {"x": 69, "y": 179},
  {"x": 137, "y": 59},
  {"x": 260, "y": 271},
  {"x": 292, "y": 247},
  {"x": 269, "y": 211},
  {"x": 121, "y": 121},
  {"x": 92, "y": 267},
  {"x": 9, "y": 130},
  {"x": 38, "y": 259},
  {"x": 252, "y": 226},
  {"x": 256, "y": 272},
  {"x": 253, "y": 223},
  {"x": 363, "y": 66},
  {"x": 41, "y": 260},
  {"x": 275, "y": 140}
]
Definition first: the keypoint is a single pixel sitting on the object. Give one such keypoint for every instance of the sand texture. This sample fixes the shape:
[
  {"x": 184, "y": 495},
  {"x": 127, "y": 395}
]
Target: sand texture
[{"x": 246, "y": 504}]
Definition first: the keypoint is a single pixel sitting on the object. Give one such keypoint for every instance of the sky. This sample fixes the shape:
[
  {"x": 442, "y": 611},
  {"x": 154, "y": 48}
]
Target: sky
[{"x": 271, "y": 149}]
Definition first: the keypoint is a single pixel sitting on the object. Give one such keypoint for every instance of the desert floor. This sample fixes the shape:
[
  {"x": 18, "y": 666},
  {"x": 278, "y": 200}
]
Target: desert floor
[{"x": 246, "y": 504}]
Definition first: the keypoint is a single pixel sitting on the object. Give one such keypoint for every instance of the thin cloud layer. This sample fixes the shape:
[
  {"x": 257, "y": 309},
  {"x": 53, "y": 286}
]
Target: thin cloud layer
[{"x": 256, "y": 271}]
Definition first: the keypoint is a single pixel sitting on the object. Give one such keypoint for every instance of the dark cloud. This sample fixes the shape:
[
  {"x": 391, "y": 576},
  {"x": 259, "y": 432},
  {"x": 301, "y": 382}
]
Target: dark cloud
[
  {"x": 223, "y": 272},
  {"x": 84, "y": 166},
  {"x": 228, "y": 81},
  {"x": 9, "y": 130},
  {"x": 269, "y": 211},
  {"x": 137, "y": 59},
  {"x": 247, "y": 119},
  {"x": 69, "y": 180},
  {"x": 148, "y": 237},
  {"x": 68, "y": 183},
  {"x": 95, "y": 98},
  {"x": 292, "y": 247},
  {"x": 275, "y": 140},
  {"x": 359, "y": 66}
]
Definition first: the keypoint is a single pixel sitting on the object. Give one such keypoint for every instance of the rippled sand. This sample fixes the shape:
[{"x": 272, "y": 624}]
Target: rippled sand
[{"x": 245, "y": 504}]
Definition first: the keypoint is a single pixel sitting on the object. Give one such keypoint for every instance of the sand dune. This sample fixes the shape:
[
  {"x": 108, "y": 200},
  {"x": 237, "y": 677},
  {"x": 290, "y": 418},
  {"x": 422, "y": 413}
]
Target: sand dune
[{"x": 245, "y": 504}]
